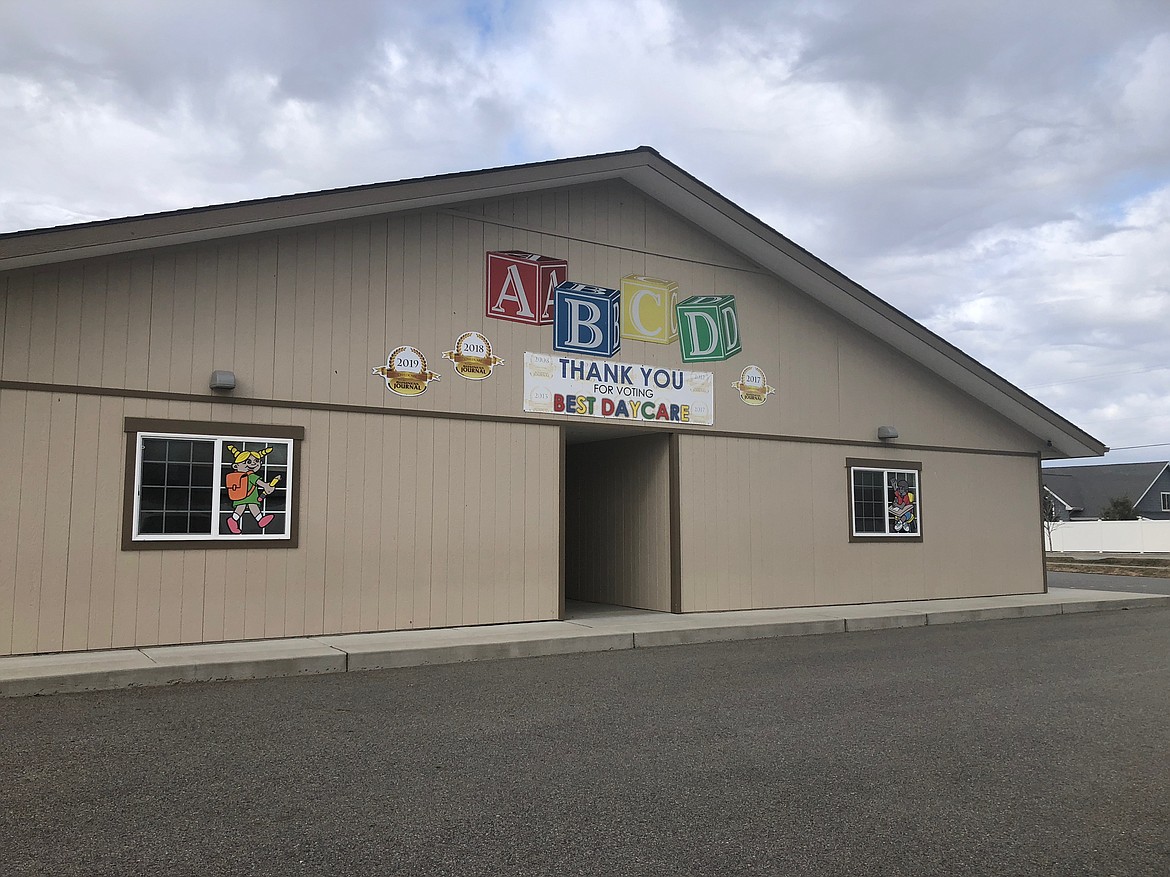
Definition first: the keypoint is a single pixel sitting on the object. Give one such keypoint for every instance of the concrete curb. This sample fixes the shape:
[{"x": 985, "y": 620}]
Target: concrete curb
[
  {"x": 1127, "y": 601},
  {"x": 251, "y": 660},
  {"x": 694, "y": 635},
  {"x": 884, "y": 622},
  {"x": 992, "y": 613},
  {"x": 594, "y": 629},
  {"x": 53, "y": 674},
  {"x": 165, "y": 665},
  {"x": 394, "y": 656}
]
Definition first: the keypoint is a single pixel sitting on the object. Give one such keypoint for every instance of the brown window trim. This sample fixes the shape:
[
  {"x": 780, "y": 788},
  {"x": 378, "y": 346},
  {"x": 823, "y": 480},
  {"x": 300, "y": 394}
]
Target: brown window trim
[
  {"x": 135, "y": 425},
  {"x": 866, "y": 463}
]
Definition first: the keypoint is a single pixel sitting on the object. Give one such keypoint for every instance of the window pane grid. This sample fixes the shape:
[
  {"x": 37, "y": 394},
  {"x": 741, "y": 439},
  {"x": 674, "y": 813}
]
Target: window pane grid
[
  {"x": 884, "y": 502},
  {"x": 902, "y": 508},
  {"x": 869, "y": 509},
  {"x": 166, "y": 498},
  {"x": 177, "y": 495},
  {"x": 260, "y": 504}
]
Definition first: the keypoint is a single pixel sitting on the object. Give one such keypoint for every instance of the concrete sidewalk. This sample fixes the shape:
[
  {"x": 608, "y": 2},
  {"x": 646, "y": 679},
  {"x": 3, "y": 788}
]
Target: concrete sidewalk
[{"x": 588, "y": 627}]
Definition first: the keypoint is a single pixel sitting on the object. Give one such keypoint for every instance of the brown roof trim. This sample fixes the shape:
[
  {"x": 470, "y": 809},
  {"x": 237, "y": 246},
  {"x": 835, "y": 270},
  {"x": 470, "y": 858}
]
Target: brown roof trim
[
  {"x": 344, "y": 190},
  {"x": 109, "y": 236},
  {"x": 643, "y": 168},
  {"x": 763, "y": 244}
]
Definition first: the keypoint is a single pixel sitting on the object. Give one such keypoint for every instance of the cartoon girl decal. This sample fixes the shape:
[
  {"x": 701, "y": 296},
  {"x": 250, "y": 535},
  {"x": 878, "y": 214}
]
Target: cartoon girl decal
[
  {"x": 902, "y": 508},
  {"x": 244, "y": 486}
]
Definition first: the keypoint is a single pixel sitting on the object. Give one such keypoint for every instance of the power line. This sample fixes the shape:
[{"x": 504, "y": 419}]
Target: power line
[
  {"x": 1106, "y": 424},
  {"x": 1082, "y": 379},
  {"x": 1137, "y": 447}
]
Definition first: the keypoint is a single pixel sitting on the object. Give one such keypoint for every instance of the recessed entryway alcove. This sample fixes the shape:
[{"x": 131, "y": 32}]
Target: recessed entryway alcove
[{"x": 618, "y": 518}]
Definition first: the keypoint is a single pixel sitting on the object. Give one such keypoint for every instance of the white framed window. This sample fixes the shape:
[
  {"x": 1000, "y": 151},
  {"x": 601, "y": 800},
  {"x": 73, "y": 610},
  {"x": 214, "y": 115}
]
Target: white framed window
[
  {"x": 885, "y": 500},
  {"x": 197, "y": 483},
  {"x": 1166, "y": 502}
]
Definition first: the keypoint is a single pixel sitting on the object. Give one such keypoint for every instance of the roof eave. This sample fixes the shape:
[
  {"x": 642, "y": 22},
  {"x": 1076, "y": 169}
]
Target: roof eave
[
  {"x": 1152, "y": 483},
  {"x": 1058, "y": 498},
  {"x": 114, "y": 236},
  {"x": 643, "y": 168},
  {"x": 666, "y": 182}
]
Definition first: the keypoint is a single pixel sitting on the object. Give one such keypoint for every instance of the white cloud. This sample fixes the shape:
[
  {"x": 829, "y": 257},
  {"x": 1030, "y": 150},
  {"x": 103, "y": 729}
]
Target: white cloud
[
  {"x": 999, "y": 170},
  {"x": 1075, "y": 309}
]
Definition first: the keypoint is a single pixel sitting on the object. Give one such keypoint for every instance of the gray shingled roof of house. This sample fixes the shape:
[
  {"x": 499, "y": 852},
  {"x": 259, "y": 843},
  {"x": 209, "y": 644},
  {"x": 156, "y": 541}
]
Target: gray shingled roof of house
[{"x": 1088, "y": 489}]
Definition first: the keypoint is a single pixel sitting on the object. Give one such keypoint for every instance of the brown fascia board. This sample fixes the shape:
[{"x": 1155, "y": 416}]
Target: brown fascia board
[
  {"x": 671, "y": 185},
  {"x": 643, "y": 168},
  {"x": 107, "y": 237}
]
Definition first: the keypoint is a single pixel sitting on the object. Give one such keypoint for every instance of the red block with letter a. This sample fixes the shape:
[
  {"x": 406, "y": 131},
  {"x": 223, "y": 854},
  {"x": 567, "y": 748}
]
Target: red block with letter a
[{"x": 520, "y": 286}]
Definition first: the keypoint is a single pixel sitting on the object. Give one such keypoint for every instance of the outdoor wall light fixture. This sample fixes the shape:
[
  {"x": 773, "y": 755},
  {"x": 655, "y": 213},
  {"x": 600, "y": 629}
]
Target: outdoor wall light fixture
[
  {"x": 887, "y": 433},
  {"x": 222, "y": 380}
]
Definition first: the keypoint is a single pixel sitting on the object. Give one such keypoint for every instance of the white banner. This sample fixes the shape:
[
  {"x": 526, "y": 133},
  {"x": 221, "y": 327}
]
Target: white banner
[{"x": 576, "y": 387}]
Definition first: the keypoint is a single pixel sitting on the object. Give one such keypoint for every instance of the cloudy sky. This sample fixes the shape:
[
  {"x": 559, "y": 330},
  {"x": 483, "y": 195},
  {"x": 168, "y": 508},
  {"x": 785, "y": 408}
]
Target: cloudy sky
[{"x": 1000, "y": 170}]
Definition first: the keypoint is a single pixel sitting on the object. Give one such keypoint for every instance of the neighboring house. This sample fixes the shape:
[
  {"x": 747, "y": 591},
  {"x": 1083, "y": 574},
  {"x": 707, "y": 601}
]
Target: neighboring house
[
  {"x": 1080, "y": 493},
  {"x": 467, "y": 398}
]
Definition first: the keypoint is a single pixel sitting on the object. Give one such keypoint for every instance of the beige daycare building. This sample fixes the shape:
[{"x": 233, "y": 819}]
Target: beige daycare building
[{"x": 468, "y": 398}]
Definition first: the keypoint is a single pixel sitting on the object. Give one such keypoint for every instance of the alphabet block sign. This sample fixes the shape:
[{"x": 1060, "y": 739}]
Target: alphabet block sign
[
  {"x": 587, "y": 319},
  {"x": 648, "y": 309},
  {"x": 708, "y": 328},
  {"x": 520, "y": 286}
]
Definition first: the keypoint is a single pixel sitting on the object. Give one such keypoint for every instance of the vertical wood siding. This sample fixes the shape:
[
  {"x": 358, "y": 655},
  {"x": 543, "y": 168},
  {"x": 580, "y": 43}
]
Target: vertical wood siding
[
  {"x": 384, "y": 546},
  {"x": 423, "y": 522},
  {"x": 765, "y": 524},
  {"x": 617, "y": 506},
  {"x": 305, "y": 314}
]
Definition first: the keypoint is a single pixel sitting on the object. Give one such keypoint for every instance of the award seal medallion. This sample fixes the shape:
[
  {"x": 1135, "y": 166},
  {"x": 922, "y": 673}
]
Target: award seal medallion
[
  {"x": 473, "y": 356},
  {"x": 405, "y": 371},
  {"x": 753, "y": 386}
]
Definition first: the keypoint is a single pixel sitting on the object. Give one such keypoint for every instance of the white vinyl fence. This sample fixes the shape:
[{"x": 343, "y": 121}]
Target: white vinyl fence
[{"x": 1130, "y": 537}]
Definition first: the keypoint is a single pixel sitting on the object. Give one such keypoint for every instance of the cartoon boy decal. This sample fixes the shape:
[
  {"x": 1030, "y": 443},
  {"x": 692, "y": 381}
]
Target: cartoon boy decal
[
  {"x": 902, "y": 508},
  {"x": 244, "y": 486}
]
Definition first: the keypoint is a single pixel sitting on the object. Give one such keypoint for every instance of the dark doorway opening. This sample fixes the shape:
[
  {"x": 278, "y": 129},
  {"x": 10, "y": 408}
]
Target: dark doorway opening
[{"x": 619, "y": 518}]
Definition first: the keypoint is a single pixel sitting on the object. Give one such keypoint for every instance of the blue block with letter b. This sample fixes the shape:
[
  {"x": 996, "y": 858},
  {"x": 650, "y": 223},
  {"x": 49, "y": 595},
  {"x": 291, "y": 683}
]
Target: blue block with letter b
[{"x": 586, "y": 319}]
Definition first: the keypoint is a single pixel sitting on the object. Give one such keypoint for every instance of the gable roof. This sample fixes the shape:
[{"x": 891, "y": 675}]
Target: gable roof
[
  {"x": 1153, "y": 483},
  {"x": 645, "y": 169},
  {"x": 1070, "y": 493},
  {"x": 1089, "y": 489}
]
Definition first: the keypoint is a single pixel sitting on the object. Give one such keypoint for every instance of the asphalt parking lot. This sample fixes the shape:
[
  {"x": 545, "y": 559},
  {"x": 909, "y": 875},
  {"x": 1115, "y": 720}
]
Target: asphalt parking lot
[
  {"x": 1099, "y": 582},
  {"x": 1030, "y": 746}
]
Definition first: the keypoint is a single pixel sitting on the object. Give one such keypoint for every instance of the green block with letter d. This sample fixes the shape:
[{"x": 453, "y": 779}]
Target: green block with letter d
[{"x": 708, "y": 328}]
